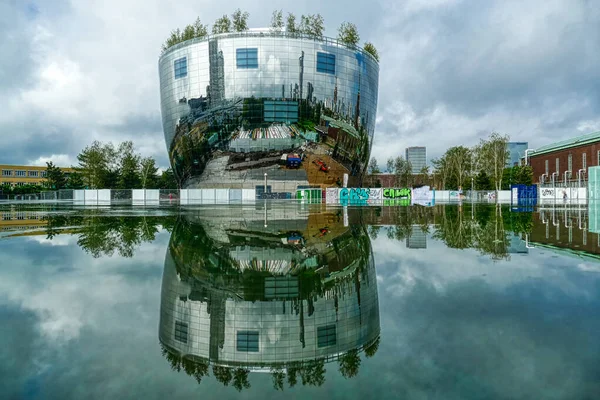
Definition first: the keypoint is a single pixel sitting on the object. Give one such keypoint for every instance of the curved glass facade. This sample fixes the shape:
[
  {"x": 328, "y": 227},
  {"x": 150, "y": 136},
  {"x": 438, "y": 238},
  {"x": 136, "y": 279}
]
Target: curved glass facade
[
  {"x": 238, "y": 106},
  {"x": 291, "y": 293}
]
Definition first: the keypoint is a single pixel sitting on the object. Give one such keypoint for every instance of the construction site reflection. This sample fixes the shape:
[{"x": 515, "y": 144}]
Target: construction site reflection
[{"x": 284, "y": 295}]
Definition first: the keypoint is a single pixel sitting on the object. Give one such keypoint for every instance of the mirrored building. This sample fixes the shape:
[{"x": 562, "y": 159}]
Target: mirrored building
[
  {"x": 237, "y": 106},
  {"x": 285, "y": 297}
]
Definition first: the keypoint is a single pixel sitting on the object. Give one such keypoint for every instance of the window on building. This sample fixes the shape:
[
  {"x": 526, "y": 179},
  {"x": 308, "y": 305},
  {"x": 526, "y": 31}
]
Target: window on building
[
  {"x": 547, "y": 167},
  {"x": 43, "y": 174},
  {"x": 7, "y": 172},
  {"x": 570, "y": 162},
  {"x": 246, "y": 58},
  {"x": 33, "y": 174},
  {"x": 584, "y": 160},
  {"x": 557, "y": 170},
  {"x": 180, "y": 66},
  {"x": 181, "y": 332},
  {"x": 326, "y": 336},
  {"x": 598, "y": 161},
  {"x": 326, "y": 63},
  {"x": 247, "y": 341},
  {"x": 20, "y": 173}
]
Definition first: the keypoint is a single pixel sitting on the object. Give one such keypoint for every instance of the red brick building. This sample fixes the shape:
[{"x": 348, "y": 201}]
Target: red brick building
[{"x": 566, "y": 161}]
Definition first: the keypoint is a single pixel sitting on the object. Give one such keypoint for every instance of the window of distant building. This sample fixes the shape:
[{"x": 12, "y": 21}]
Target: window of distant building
[
  {"x": 557, "y": 164},
  {"x": 584, "y": 160},
  {"x": 7, "y": 172},
  {"x": 247, "y": 341},
  {"x": 43, "y": 174},
  {"x": 326, "y": 336},
  {"x": 181, "y": 332},
  {"x": 180, "y": 66},
  {"x": 547, "y": 167},
  {"x": 246, "y": 58},
  {"x": 33, "y": 174},
  {"x": 326, "y": 63},
  {"x": 570, "y": 162},
  {"x": 20, "y": 173}
]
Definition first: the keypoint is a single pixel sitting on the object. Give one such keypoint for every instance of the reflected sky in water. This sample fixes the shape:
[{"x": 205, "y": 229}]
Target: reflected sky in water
[{"x": 80, "y": 301}]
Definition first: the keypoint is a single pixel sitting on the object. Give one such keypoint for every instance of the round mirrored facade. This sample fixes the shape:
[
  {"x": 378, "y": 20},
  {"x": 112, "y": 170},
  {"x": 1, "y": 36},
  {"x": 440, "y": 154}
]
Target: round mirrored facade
[{"x": 240, "y": 109}]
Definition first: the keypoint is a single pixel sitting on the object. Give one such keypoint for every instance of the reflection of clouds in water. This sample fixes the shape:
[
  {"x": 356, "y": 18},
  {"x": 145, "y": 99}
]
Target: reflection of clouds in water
[
  {"x": 59, "y": 240},
  {"x": 71, "y": 291},
  {"x": 464, "y": 326}
]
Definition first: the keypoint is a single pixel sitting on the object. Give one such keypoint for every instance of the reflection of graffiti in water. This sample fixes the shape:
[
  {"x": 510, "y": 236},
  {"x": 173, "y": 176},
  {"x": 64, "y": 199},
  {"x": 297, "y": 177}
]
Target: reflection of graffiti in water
[{"x": 354, "y": 195}]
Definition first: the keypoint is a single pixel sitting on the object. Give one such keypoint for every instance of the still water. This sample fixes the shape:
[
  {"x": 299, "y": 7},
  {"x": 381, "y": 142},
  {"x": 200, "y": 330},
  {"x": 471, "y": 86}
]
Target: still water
[{"x": 279, "y": 300}]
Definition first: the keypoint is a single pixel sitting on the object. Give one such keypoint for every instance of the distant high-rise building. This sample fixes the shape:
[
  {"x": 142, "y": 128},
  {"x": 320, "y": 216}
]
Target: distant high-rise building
[
  {"x": 516, "y": 151},
  {"x": 417, "y": 156},
  {"x": 417, "y": 239}
]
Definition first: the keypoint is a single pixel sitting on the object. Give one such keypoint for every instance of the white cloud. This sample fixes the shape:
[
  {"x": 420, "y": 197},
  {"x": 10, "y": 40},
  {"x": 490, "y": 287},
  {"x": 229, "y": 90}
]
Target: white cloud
[{"x": 61, "y": 160}]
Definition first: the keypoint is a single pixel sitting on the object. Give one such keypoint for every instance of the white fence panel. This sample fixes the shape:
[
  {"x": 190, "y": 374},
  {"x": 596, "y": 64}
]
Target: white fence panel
[
  {"x": 248, "y": 194},
  {"x": 184, "y": 196},
  {"x": 91, "y": 196},
  {"x": 78, "y": 196},
  {"x": 222, "y": 196}
]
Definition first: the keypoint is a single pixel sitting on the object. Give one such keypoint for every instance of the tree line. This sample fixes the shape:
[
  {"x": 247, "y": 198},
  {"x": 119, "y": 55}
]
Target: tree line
[
  {"x": 482, "y": 166},
  {"x": 310, "y": 24},
  {"x": 106, "y": 166}
]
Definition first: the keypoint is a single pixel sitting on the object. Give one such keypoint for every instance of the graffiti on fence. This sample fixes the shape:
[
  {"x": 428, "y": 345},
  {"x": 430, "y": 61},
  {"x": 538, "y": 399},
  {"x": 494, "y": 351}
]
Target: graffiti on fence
[
  {"x": 354, "y": 195},
  {"x": 332, "y": 195},
  {"x": 396, "y": 193}
]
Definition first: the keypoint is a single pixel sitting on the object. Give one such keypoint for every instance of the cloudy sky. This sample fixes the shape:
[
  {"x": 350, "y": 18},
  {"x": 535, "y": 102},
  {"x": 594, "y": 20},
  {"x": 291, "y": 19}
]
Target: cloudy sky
[{"x": 451, "y": 70}]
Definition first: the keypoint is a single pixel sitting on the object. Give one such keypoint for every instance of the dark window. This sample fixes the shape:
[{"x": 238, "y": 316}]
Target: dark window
[
  {"x": 326, "y": 63},
  {"x": 326, "y": 336},
  {"x": 181, "y": 332},
  {"x": 247, "y": 341},
  {"x": 180, "y": 67},
  {"x": 281, "y": 287},
  {"x": 246, "y": 58}
]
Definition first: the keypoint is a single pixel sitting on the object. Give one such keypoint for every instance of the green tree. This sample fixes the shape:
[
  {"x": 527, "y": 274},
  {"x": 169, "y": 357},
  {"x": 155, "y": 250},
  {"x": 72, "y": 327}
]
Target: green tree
[
  {"x": 278, "y": 377},
  {"x": 222, "y": 374},
  {"x": 240, "y": 379},
  {"x": 390, "y": 165},
  {"x": 491, "y": 156},
  {"x": 128, "y": 167},
  {"x": 459, "y": 160},
  {"x": 371, "y": 349},
  {"x": 188, "y": 33},
  {"x": 172, "y": 40},
  {"x": 222, "y": 25},
  {"x": 75, "y": 181},
  {"x": 168, "y": 180},
  {"x": 290, "y": 25},
  {"x": 403, "y": 171},
  {"x": 349, "y": 364},
  {"x": 313, "y": 25},
  {"x": 370, "y": 48},
  {"x": 373, "y": 167},
  {"x": 148, "y": 173},
  {"x": 442, "y": 170},
  {"x": 240, "y": 20},
  {"x": 94, "y": 163},
  {"x": 200, "y": 30},
  {"x": 348, "y": 34},
  {"x": 277, "y": 21},
  {"x": 483, "y": 182},
  {"x": 55, "y": 177}
]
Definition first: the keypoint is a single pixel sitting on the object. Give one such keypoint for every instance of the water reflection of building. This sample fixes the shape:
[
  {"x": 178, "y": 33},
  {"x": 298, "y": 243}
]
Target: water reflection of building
[
  {"x": 417, "y": 238},
  {"x": 291, "y": 295},
  {"x": 566, "y": 229},
  {"x": 234, "y": 104}
]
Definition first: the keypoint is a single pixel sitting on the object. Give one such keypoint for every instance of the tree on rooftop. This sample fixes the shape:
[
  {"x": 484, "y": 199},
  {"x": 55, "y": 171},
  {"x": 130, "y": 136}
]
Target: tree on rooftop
[
  {"x": 222, "y": 25},
  {"x": 240, "y": 20},
  {"x": 313, "y": 25},
  {"x": 370, "y": 48},
  {"x": 348, "y": 34},
  {"x": 200, "y": 30},
  {"x": 277, "y": 21},
  {"x": 188, "y": 33},
  {"x": 290, "y": 25}
]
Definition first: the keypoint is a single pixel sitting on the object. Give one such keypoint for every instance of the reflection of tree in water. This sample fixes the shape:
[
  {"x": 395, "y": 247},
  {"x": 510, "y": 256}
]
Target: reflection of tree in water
[
  {"x": 485, "y": 228},
  {"x": 349, "y": 364},
  {"x": 102, "y": 234}
]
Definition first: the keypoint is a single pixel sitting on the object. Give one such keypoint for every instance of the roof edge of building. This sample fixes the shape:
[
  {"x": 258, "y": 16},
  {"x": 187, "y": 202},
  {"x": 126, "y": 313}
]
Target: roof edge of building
[{"x": 567, "y": 144}]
